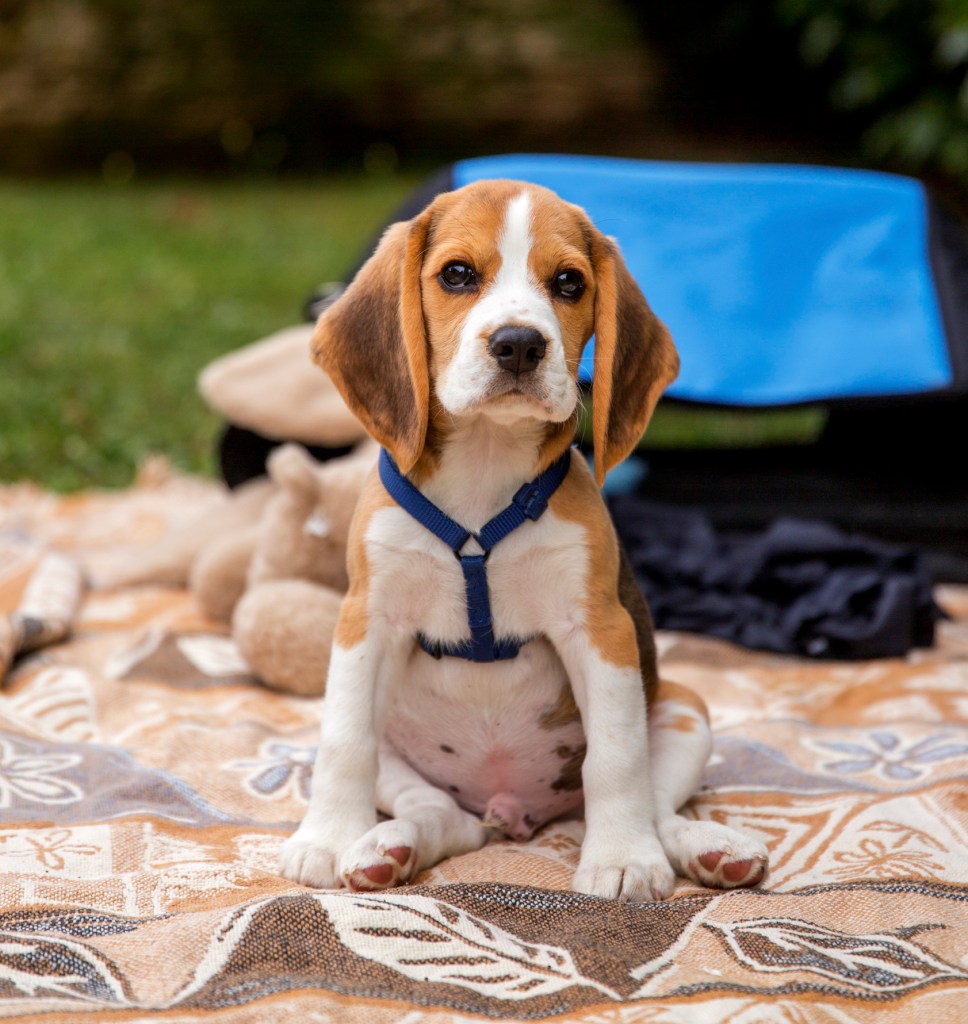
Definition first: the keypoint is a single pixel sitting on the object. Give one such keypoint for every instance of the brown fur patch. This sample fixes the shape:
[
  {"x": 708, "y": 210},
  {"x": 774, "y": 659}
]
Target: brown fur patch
[
  {"x": 351, "y": 627},
  {"x": 680, "y": 723},
  {"x": 634, "y": 603},
  {"x": 563, "y": 712},
  {"x": 679, "y": 694},
  {"x": 612, "y": 629},
  {"x": 372, "y": 343}
]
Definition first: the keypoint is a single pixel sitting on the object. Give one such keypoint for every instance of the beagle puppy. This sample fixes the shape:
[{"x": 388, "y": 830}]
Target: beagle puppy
[{"x": 491, "y": 678}]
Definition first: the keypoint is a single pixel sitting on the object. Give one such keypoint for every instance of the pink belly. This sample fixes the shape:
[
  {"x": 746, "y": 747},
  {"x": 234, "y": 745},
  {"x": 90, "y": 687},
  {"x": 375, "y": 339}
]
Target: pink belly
[
  {"x": 503, "y": 760},
  {"x": 514, "y": 790}
]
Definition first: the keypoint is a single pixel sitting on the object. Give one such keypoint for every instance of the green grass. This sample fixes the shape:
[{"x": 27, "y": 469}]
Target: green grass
[
  {"x": 113, "y": 298},
  {"x": 677, "y": 426}
]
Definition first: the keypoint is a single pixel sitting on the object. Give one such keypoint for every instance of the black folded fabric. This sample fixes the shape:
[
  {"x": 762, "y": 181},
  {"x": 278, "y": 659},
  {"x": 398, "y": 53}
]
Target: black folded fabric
[{"x": 799, "y": 587}]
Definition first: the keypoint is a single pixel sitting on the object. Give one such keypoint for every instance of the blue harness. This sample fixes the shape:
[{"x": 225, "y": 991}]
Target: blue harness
[{"x": 528, "y": 503}]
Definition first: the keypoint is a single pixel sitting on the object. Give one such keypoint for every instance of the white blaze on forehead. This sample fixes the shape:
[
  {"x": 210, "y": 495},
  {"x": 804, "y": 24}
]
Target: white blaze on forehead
[
  {"x": 515, "y": 243},
  {"x": 512, "y": 297}
]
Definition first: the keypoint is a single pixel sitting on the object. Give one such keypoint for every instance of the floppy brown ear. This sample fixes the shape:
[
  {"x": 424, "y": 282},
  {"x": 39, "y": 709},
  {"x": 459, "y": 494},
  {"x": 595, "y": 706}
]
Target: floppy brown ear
[
  {"x": 635, "y": 359},
  {"x": 373, "y": 344}
]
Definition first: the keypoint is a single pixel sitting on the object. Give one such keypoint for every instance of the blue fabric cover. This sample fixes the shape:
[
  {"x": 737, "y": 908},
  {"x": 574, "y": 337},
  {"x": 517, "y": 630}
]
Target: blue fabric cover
[{"x": 780, "y": 284}]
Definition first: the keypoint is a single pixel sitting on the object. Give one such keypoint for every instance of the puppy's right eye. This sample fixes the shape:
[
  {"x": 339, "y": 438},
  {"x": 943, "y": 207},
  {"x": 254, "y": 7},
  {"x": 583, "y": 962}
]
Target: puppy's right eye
[{"x": 458, "y": 277}]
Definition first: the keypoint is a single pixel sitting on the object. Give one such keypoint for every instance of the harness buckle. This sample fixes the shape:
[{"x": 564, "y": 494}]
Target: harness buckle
[{"x": 531, "y": 501}]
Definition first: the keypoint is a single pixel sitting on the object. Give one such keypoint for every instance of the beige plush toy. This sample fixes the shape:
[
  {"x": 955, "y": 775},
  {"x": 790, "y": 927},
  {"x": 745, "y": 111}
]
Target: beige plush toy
[
  {"x": 281, "y": 582},
  {"x": 269, "y": 557}
]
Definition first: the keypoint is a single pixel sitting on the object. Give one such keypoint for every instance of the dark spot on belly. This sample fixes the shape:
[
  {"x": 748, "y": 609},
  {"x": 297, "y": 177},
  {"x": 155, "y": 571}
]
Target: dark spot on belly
[
  {"x": 570, "y": 777},
  {"x": 454, "y": 789},
  {"x": 446, "y": 749},
  {"x": 563, "y": 712}
]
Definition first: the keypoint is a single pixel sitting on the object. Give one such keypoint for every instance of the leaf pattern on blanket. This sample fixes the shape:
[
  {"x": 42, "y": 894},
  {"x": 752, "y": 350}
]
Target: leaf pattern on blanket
[
  {"x": 433, "y": 942},
  {"x": 875, "y": 962},
  {"x": 26, "y": 777},
  {"x": 59, "y": 702},
  {"x": 32, "y": 965}
]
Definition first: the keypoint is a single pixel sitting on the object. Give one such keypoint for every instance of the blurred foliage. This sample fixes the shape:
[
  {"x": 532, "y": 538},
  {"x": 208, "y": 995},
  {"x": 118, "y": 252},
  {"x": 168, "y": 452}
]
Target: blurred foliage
[
  {"x": 275, "y": 84},
  {"x": 265, "y": 85},
  {"x": 877, "y": 82},
  {"x": 164, "y": 81},
  {"x": 902, "y": 67},
  {"x": 733, "y": 75}
]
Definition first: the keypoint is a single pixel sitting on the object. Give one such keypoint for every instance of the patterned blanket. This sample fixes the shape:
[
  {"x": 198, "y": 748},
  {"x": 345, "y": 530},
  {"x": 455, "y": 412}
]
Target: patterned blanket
[{"x": 147, "y": 782}]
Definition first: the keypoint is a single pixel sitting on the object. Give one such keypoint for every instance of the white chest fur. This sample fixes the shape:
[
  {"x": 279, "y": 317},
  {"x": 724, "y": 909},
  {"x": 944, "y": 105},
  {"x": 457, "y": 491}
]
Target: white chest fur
[{"x": 534, "y": 578}]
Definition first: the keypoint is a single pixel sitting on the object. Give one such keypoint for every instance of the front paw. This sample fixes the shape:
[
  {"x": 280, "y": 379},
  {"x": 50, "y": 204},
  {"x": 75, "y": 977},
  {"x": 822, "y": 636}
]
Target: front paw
[
  {"x": 387, "y": 855},
  {"x": 309, "y": 858},
  {"x": 713, "y": 854},
  {"x": 640, "y": 874}
]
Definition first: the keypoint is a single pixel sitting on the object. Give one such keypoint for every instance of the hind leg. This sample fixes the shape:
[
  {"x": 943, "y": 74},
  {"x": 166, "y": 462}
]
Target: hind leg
[
  {"x": 705, "y": 851},
  {"x": 426, "y": 826}
]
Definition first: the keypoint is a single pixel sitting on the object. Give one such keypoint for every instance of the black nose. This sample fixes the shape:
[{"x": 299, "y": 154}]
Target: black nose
[{"x": 518, "y": 349}]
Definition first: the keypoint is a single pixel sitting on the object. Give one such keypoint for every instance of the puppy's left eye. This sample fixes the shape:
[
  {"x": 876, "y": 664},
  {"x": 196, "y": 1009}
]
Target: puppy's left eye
[
  {"x": 569, "y": 284},
  {"x": 458, "y": 277}
]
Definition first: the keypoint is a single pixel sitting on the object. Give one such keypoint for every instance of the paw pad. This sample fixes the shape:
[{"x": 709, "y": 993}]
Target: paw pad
[
  {"x": 379, "y": 874},
  {"x": 395, "y": 868},
  {"x": 710, "y": 861},
  {"x": 716, "y": 869}
]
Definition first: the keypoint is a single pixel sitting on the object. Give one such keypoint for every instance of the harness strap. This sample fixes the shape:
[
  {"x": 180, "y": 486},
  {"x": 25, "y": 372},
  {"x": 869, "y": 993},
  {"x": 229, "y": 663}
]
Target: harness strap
[
  {"x": 422, "y": 509},
  {"x": 529, "y": 502},
  {"x": 504, "y": 649}
]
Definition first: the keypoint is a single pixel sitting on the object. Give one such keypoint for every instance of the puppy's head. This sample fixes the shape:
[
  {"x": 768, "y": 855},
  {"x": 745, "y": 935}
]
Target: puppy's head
[{"x": 483, "y": 304}]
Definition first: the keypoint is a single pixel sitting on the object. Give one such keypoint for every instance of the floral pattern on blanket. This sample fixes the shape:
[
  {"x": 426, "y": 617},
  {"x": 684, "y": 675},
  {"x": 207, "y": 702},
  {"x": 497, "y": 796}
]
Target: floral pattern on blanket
[{"x": 147, "y": 782}]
